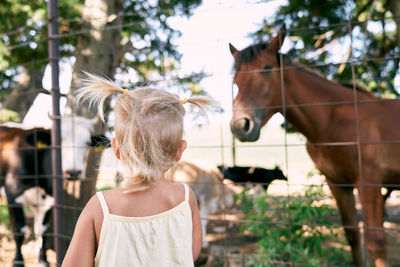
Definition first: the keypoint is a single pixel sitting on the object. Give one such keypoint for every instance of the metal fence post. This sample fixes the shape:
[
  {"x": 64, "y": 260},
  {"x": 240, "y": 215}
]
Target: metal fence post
[{"x": 54, "y": 55}]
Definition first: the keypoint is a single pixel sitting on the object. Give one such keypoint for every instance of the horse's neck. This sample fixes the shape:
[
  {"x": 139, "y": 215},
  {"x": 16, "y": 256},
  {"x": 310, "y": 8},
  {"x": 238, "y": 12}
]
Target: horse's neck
[{"x": 309, "y": 98}]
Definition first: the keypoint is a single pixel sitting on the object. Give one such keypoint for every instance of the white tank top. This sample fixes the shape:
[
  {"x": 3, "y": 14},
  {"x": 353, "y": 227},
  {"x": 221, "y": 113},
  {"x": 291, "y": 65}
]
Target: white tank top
[{"x": 164, "y": 239}]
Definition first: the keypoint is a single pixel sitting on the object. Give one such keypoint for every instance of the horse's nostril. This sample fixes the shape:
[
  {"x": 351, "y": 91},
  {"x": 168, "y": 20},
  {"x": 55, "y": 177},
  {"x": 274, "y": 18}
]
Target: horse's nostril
[
  {"x": 245, "y": 129},
  {"x": 246, "y": 126},
  {"x": 243, "y": 125}
]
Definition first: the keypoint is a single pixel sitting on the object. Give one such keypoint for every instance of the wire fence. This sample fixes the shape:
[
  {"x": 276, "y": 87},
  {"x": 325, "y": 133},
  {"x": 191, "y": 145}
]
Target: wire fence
[{"x": 290, "y": 211}]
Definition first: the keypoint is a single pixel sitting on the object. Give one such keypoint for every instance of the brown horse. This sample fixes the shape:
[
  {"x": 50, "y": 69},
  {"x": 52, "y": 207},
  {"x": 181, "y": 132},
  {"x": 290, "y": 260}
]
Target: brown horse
[{"x": 352, "y": 135}]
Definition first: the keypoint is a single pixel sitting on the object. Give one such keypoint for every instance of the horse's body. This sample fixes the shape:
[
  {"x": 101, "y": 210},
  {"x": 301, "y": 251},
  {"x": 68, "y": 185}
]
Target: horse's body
[{"x": 352, "y": 136}]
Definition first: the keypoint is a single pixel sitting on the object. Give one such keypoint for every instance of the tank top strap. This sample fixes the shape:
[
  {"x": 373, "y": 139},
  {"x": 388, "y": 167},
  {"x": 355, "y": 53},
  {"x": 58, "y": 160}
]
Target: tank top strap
[
  {"x": 103, "y": 202},
  {"x": 186, "y": 192}
]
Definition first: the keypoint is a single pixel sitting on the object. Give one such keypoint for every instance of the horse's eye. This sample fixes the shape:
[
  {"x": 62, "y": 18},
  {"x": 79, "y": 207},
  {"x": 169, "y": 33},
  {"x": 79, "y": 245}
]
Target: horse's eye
[{"x": 267, "y": 67}]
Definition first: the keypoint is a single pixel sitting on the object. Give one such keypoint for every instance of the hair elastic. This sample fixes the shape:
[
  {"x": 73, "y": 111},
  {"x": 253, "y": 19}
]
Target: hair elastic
[
  {"x": 125, "y": 91},
  {"x": 184, "y": 101}
]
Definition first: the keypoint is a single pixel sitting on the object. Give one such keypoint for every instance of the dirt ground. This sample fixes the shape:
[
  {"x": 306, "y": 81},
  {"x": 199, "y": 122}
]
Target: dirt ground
[
  {"x": 228, "y": 245},
  {"x": 7, "y": 250}
]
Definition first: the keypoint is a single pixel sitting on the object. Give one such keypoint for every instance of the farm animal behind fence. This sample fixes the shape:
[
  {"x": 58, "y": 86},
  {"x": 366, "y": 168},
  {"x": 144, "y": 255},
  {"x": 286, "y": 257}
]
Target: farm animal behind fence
[
  {"x": 352, "y": 144},
  {"x": 207, "y": 184},
  {"x": 39, "y": 203},
  {"x": 254, "y": 175},
  {"x": 25, "y": 162}
]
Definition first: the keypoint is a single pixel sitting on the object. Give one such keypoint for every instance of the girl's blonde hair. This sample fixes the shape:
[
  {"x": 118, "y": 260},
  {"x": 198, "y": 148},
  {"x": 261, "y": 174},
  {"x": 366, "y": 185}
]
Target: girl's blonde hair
[{"x": 148, "y": 127}]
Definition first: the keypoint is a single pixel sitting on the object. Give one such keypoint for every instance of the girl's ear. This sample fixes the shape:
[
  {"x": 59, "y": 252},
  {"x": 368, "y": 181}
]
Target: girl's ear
[
  {"x": 115, "y": 147},
  {"x": 182, "y": 147}
]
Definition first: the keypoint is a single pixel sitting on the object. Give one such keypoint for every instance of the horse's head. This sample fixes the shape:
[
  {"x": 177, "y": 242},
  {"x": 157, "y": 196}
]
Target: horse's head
[{"x": 258, "y": 78}]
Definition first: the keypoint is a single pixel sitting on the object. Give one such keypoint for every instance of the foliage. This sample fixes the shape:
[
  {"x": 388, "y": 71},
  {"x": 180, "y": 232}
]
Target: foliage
[
  {"x": 316, "y": 26},
  {"x": 148, "y": 40},
  {"x": 154, "y": 55},
  {"x": 23, "y": 38},
  {"x": 4, "y": 220},
  {"x": 9, "y": 115},
  {"x": 297, "y": 232}
]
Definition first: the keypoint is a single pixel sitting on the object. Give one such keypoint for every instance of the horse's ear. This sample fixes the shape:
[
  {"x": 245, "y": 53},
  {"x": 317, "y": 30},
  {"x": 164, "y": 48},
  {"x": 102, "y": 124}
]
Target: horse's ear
[
  {"x": 234, "y": 51},
  {"x": 276, "y": 42}
]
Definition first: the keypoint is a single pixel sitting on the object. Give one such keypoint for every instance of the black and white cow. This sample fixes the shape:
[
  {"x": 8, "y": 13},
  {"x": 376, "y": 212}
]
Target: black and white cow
[
  {"x": 256, "y": 175},
  {"x": 39, "y": 203},
  {"x": 25, "y": 163}
]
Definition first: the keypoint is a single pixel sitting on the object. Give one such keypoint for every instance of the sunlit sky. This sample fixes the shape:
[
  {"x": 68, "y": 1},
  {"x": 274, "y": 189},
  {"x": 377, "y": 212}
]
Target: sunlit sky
[{"x": 204, "y": 45}]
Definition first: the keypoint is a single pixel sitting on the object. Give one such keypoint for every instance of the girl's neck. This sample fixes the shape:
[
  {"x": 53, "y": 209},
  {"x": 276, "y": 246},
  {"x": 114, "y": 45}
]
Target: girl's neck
[{"x": 155, "y": 182}]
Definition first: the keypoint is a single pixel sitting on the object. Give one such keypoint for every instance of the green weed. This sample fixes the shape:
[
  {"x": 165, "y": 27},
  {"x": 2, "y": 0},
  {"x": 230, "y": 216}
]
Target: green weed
[{"x": 298, "y": 229}]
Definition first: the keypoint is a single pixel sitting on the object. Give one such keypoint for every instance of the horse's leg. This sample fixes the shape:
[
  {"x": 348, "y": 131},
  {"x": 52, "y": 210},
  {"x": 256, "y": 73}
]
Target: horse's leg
[
  {"x": 372, "y": 201},
  {"x": 18, "y": 225},
  {"x": 345, "y": 201}
]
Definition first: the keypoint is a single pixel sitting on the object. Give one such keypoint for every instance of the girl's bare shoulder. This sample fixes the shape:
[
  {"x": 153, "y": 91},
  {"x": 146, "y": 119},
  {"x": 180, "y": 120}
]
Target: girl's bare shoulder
[
  {"x": 112, "y": 192},
  {"x": 93, "y": 206}
]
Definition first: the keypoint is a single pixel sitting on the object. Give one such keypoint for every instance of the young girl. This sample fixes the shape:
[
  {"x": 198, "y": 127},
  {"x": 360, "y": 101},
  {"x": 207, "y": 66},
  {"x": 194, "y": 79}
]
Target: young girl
[{"x": 149, "y": 221}]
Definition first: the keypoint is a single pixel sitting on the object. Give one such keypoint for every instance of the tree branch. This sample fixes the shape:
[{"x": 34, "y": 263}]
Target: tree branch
[{"x": 364, "y": 8}]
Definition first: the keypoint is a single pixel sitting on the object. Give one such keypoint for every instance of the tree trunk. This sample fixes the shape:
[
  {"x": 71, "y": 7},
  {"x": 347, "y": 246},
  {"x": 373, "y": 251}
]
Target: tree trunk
[
  {"x": 97, "y": 52},
  {"x": 24, "y": 93},
  {"x": 395, "y": 9}
]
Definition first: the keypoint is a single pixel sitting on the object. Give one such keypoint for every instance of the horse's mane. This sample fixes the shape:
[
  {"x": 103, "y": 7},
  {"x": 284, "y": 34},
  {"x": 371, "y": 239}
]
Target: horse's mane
[
  {"x": 251, "y": 52},
  {"x": 248, "y": 54},
  {"x": 358, "y": 88},
  {"x": 345, "y": 84}
]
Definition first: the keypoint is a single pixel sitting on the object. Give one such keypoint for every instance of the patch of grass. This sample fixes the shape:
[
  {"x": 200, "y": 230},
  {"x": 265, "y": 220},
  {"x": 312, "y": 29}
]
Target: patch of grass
[
  {"x": 4, "y": 218},
  {"x": 296, "y": 229}
]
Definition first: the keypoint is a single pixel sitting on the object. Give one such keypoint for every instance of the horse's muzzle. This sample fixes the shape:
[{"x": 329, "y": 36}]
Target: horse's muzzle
[{"x": 245, "y": 129}]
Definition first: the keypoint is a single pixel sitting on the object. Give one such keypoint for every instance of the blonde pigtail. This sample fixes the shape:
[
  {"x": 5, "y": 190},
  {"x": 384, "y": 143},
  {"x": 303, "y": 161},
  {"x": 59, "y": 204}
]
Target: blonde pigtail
[
  {"x": 96, "y": 90},
  {"x": 148, "y": 127},
  {"x": 204, "y": 103}
]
